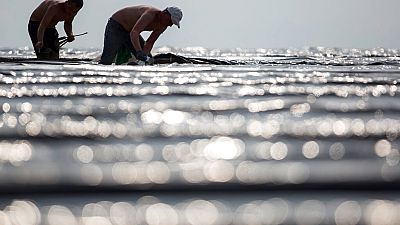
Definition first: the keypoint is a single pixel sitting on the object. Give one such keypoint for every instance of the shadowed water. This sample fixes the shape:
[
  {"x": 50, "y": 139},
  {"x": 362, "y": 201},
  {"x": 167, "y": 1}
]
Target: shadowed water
[{"x": 281, "y": 136}]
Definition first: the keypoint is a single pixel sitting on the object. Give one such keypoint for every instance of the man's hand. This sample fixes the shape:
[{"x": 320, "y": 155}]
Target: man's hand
[
  {"x": 39, "y": 45},
  {"x": 141, "y": 56},
  {"x": 71, "y": 38},
  {"x": 150, "y": 61},
  {"x": 144, "y": 58}
]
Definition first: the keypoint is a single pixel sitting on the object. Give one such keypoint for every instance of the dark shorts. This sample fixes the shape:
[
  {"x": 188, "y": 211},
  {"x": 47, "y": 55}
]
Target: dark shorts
[
  {"x": 115, "y": 39},
  {"x": 50, "y": 38}
]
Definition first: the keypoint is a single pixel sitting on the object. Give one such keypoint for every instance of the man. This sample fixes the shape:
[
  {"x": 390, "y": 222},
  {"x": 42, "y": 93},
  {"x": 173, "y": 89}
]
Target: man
[
  {"x": 124, "y": 27},
  {"x": 42, "y": 26}
]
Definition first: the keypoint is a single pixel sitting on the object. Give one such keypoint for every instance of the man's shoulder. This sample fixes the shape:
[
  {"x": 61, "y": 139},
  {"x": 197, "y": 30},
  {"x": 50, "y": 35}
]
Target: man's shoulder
[
  {"x": 149, "y": 9},
  {"x": 149, "y": 12},
  {"x": 55, "y": 2},
  {"x": 54, "y": 5}
]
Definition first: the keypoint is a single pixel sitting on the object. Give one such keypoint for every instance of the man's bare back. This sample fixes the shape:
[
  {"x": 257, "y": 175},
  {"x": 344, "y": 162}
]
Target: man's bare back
[
  {"x": 129, "y": 16},
  {"x": 59, "y": 13}
]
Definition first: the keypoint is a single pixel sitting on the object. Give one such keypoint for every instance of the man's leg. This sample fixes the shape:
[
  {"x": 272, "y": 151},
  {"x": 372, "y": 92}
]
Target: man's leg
[
  {"x": 128, "y": 43},
  {"x": 51, "y": 45},
  {"x": 127, "y": 49},
  {"x": 112, "y": 43},
  {"x": 50, "y": 49},
  {"x": 32, "y": 30}
]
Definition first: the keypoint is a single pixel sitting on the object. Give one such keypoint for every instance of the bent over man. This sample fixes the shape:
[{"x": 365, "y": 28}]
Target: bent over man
[
  {"x": 42, "y": 26},
  {"x": 124, "y": 27}
]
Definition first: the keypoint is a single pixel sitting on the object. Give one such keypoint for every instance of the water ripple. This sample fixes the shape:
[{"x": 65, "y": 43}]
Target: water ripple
[{"x": 298, "y": 131}]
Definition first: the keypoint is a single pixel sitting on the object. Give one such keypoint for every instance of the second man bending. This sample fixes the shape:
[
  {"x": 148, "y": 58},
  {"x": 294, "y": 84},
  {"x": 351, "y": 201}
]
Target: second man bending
[{"x": 124, "y": 27}]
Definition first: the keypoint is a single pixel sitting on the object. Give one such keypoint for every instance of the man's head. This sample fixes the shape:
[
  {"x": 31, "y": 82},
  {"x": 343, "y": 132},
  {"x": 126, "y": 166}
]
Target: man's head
[
  {"x": 78, "y": 3},
  {"x": 176, "y": 15},
  {"x": 73, "y": 6}
]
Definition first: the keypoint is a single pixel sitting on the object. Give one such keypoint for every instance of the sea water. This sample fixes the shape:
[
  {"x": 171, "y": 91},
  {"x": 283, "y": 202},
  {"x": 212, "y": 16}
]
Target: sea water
[{"x": 281, "y": 136}]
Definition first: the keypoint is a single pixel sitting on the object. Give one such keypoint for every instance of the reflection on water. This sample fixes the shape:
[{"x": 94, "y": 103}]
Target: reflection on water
[
  {"x": 286, "y": 136},
  {"x": 151, "y": 210}
]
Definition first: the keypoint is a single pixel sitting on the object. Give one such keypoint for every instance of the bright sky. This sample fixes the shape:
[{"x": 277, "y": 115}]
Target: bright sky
[{"x": 234, "y": 23}]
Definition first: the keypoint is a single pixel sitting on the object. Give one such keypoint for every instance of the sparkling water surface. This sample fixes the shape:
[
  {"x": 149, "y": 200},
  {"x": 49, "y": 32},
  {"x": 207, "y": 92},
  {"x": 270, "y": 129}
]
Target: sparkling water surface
[{"x": 281, "y": 136}]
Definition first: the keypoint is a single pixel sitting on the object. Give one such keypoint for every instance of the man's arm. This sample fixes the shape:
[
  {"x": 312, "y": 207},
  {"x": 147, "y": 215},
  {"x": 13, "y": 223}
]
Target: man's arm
[
  {"x": 68, "y": 29},
  {"x": 45, "y": 23},
  {"x": 140, "y": 26},
  {"x": 152, "y": 39}
]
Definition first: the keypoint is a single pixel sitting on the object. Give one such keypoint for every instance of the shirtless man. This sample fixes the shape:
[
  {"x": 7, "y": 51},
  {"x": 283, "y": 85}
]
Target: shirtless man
[
  {"x": 42, "y": 26},
  {"x": 124, "y": 28}
]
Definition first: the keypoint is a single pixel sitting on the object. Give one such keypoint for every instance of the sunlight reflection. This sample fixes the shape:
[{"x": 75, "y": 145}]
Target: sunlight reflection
[
  {"x": 160, "y": 213},
  {"x": 280, "y": 136},
  {"x": 219, "y": 171},
  {"x": 279, "y": 151},
  {"x": 383, "y": 148},
  {"x": 310, "y": 212},
  {"x": 61, "y": 215},
  {"x": 15, "y": 153},
  {"x": 224, "y": 148},
  {"x": 337, "y": 151},
  {"x": 91, "y": 174},
  {"x": 348, "y": 213},
  {"x": 311, "y": 150},
  {"x": 151, "y": 210},
  {"x": 23, "y": 212},
  {"x": 201, "y": 212}
]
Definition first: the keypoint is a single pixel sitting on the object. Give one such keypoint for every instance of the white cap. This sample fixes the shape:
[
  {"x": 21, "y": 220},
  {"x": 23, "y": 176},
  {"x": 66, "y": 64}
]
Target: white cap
[{"x": 176, "y": 15}]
